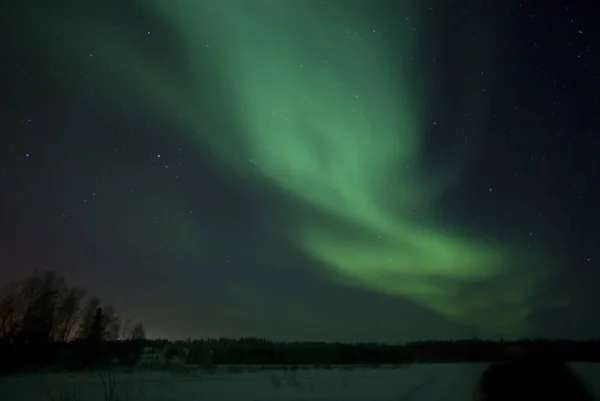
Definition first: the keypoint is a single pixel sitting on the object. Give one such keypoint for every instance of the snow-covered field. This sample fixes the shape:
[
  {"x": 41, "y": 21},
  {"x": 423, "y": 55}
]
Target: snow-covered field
[{"x": 418, "y": 382}]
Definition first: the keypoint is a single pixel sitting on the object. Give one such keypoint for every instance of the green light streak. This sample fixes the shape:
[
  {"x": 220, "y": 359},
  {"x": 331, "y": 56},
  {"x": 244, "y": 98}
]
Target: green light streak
[{"x": 331, "y": 118}]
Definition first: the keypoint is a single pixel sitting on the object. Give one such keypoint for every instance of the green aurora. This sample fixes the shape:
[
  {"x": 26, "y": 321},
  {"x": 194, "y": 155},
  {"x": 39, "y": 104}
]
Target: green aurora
[{"x": 325, "y": 114}]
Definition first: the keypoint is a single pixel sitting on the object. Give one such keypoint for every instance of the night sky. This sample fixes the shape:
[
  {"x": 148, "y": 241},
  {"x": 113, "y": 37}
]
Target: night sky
[{"x": 311, "y": 170}]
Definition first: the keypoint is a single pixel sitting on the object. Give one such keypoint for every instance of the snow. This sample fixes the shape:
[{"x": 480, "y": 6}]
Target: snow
[{"x": 415, "y": 383}]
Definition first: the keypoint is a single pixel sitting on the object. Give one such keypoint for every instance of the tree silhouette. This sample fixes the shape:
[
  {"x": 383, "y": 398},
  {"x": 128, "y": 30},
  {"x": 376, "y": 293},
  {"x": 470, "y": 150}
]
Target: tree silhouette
[
  {"x": 40, "y": 315},
  {"x": 138, "y": 332},
  {"x": 97, "y": 329},
  {"x": 88, "y": 312},
  {"x": 39, "y": 296},
  {"x": 68, "y": 314},
  {"x": 9, "y": 312},
  {"x": 111, "y": 324}
]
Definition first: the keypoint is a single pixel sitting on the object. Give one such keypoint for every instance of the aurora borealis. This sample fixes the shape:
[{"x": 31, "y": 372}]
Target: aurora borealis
[{"x": 282, "y": 167}]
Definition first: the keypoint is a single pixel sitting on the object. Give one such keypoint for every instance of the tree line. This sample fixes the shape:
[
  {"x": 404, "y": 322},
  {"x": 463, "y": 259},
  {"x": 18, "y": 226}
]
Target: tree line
[
  {"x": 256, "y": 351},
  {"x": 45, "y": 323},
  {"x": 42, "y": 314}
]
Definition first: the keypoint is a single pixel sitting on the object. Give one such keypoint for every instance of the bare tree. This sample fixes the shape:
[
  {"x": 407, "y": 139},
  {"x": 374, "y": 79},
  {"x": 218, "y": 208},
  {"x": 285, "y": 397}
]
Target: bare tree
[
  {"x": 112, "y": 323},
  {"x": 41, "y": 297},
  {"x": 68, "y": 314},
  {"x": 42, "y": 308},
  {"x": 9, "y": 321},
  {"x": 126, "y": 329},
  {"x": 138, "y": 332},
  {"x": 87, "y": 318}
]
